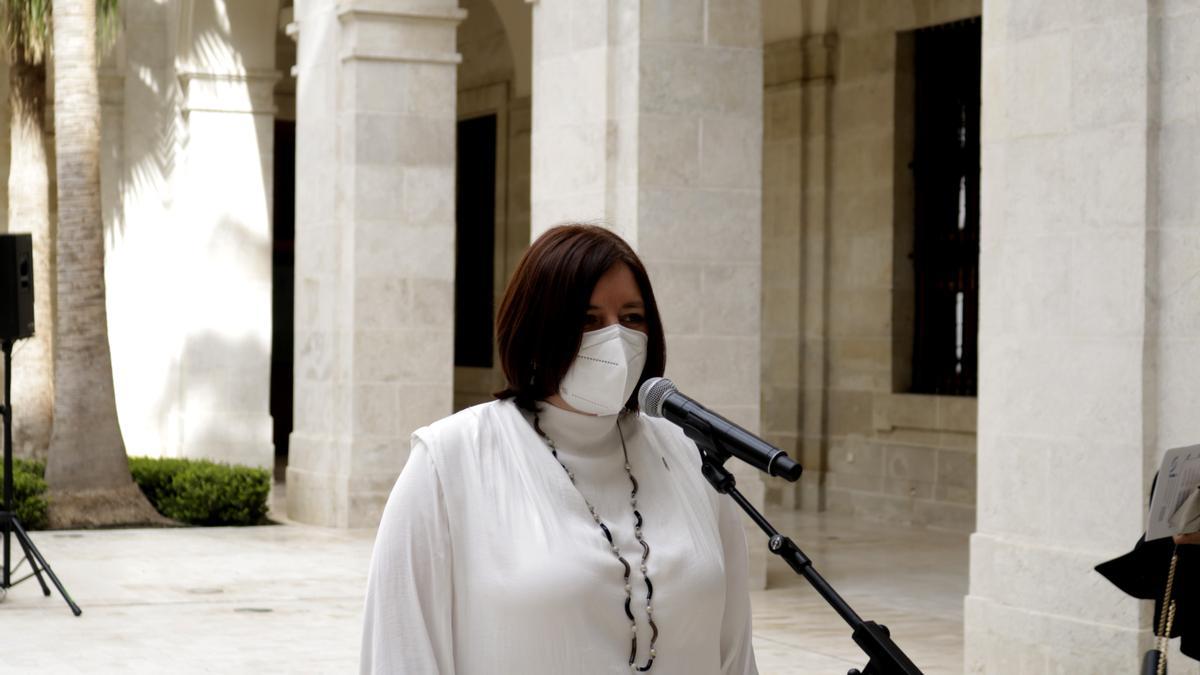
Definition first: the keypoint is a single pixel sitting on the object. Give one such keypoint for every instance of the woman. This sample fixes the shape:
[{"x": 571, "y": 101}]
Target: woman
[{"x": 555, "y": 530}]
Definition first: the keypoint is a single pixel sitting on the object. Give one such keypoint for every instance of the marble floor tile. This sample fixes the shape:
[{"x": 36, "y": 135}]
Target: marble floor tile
[
  {"x": 287, "y": 598},
  {"x": 910, "y": 580}
]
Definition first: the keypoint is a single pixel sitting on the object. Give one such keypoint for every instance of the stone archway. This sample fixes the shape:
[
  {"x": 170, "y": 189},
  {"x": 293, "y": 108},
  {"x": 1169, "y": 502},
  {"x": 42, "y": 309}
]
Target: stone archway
[{"x": 493, "y": 100}]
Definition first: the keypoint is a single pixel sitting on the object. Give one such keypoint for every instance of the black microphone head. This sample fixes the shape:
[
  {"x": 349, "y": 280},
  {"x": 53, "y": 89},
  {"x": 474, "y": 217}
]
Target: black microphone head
[{"x": 652, "y": 393}]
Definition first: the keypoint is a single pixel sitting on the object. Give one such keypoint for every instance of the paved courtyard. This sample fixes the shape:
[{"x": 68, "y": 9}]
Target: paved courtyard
[{"x": 287, "y": 598}]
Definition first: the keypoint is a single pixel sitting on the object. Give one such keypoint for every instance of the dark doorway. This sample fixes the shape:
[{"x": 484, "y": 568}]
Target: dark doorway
[
  {"x": 283, "y": 270},
  {"x": 475, "y": 219},
  {"x": 946, "y": 216}
]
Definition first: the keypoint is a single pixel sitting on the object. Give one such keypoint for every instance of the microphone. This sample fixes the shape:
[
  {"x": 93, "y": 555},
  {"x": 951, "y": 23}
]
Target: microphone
[{"x": 658, "y": 397}]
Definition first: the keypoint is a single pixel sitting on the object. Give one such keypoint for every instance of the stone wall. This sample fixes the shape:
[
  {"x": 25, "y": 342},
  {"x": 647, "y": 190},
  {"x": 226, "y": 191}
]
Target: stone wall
[
  {"x": 144, "y": 113},
  {"x": 648, "y": 117},
  {"x": 798, "y": 80},
  {"x": 829, "y": 291},
  {"x": 1090, "y": 330},
  {"x": 186, "y": 194},
  {"x": 374, "y": 248}
]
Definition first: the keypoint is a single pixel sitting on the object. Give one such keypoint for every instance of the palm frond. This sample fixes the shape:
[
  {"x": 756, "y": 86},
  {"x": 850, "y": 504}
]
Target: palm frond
[
  {"x": 108, "y": 23},
  {"x": 26, "y": 25}
]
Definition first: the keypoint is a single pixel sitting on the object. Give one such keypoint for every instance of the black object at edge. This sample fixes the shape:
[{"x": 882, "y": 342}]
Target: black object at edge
[{"x": 9, "y": 524}]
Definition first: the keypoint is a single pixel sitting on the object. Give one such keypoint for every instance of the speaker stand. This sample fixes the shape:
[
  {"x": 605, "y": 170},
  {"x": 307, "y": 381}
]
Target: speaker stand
[{"x": 10, "y": 525}]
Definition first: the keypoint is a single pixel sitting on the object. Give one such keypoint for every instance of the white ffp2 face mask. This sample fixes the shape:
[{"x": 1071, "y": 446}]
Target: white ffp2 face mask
[{"x": 605, "y": 371}]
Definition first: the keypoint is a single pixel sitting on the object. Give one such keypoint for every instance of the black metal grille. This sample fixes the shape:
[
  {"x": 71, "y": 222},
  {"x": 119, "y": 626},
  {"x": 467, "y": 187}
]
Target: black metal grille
[{"x": 946, "y": 200}]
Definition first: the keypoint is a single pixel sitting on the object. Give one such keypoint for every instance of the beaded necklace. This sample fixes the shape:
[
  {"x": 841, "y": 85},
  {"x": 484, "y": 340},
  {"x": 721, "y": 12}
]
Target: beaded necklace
[{"x": 637, "y": 533}]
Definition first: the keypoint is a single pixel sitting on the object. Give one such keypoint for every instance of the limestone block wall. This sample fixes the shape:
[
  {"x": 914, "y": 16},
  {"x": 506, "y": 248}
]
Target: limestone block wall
[
  {"x": 374, "y": 248},
  {"x": 648, "y": 117},
  {"x": 517, "y": 238},
  {"x": 1174, "y": 297},
  {"x": 781, "y": 374},
  {"x": 1090, "y": 325},
  {"x": 798, "y": 79},
  {"x": 829, "y": 219}
]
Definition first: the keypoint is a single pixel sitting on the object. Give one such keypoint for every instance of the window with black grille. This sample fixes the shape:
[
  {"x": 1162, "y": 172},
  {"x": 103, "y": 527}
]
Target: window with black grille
[
  {"x": 475, "y": 215},
  {"x": 944, "y": 181}
]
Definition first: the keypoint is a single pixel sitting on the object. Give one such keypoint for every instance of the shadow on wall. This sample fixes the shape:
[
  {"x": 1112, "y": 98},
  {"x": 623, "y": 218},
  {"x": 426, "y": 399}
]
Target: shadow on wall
[
  {"x": 192, "y": 374},
  {"x": 154, "y": 137},
  {"x": 218, "y": 412}
]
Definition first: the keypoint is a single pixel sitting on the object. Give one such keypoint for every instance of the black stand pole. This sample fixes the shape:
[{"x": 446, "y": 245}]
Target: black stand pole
[
  {"x": 884, "y": 657},
  {"x": 9, "y": 524}
]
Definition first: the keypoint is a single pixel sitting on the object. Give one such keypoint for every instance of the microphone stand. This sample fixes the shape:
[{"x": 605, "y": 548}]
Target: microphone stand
[{"x": 884, "y": 657}]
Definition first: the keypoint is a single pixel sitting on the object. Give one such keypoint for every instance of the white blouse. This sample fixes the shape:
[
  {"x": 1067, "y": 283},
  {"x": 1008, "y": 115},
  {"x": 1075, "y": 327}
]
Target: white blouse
[{"x": 487, "y": 560}]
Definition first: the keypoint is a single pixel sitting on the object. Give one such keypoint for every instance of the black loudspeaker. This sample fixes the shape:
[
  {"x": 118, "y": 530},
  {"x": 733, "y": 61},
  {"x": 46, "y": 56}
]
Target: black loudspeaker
[{"x": 16, "y": 286}]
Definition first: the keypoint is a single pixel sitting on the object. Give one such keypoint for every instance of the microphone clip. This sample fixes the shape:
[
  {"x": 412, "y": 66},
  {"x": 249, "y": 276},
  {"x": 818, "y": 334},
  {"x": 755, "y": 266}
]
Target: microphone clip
[{"x": 713, "y": 455}]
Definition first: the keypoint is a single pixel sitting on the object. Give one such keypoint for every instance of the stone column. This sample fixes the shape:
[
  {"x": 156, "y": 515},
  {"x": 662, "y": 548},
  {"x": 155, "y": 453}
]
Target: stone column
[
  {"x": 647, "y": 116},
  {"x": 374, "y": 248},
  {"x": 143, "y": 161},
  {"x": 225, "y": 358},
  {"x": 223, "y": 202},
  {"x": 1089, "y": 356},
  {"x": 796, "y": 206}
]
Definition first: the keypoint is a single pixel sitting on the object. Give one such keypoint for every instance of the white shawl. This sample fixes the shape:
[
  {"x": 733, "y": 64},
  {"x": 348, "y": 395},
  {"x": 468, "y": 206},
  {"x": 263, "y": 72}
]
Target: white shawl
[{"x": 487, "y": 561}]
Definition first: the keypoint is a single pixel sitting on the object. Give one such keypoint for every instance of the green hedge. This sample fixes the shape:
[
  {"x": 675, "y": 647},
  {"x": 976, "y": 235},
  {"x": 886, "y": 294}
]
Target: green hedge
[
  {"x": 154, "y": 475},
  {"x": 194, "y": 491},
  {"x": 29, "y": 492},
  {"x": 201, "y": 492}
]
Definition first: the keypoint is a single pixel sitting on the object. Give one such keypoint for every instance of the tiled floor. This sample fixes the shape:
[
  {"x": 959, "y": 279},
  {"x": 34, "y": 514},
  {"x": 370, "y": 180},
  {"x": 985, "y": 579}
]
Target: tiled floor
[
  {"x": 912, "y": 581},
  {"x": 287, "y": 599}
]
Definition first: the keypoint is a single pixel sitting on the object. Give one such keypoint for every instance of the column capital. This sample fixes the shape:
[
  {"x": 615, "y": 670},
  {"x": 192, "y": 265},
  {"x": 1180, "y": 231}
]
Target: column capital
[
  {"x": 375, "y": 30},
  {"x": 385, "y": 10},
  {"x": 252, "y": 91}
]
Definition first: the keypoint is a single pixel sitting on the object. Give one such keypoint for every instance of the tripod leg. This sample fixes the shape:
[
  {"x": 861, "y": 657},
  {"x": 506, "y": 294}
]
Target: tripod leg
[
  {"x": 28, "y": 545},
  {"x": 37, "y": 571},
  {"x": 6, "y": 566}
]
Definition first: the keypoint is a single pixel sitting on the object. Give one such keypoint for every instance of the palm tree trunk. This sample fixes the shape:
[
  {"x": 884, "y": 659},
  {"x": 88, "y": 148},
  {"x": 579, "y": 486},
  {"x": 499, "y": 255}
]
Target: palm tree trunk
[
  {"x": 87, "y": 470},
  {"x": 29, "y": 211}
]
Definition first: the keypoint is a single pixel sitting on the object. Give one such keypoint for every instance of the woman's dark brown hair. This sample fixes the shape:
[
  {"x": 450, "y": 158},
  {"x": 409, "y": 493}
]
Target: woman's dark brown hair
[{"x": 544, "y": 308}]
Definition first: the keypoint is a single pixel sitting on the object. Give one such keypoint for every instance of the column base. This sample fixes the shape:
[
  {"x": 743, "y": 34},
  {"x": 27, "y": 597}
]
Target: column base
[
  {"x": 1039, "y": 609},
  {"x": 319, "y": 493},
  {"x": 1005, "y": 640}
]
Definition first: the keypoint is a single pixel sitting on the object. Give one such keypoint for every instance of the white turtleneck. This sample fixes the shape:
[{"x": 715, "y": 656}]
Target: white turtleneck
[
  {"x": 590, "y": 446},
  {"x": 487, "y": 560}
]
